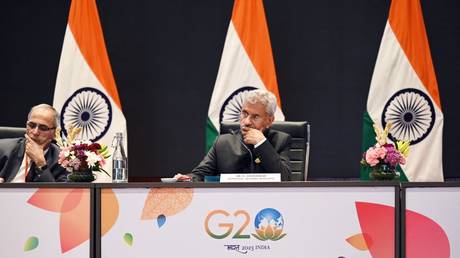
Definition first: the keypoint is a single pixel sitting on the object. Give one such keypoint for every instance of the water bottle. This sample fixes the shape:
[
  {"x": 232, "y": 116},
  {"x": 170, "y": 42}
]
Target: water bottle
[{"x": 119, "y": 160}]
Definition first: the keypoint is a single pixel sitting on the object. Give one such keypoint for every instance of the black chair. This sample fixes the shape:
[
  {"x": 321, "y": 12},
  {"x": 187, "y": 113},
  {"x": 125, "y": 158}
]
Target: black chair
[
  {"x": 299, "y": 152},
  {"x": 11, "y": 132}
]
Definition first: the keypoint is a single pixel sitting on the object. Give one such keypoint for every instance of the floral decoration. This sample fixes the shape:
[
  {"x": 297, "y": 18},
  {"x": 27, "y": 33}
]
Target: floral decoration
[
  {"x": 81, "y": 155},
  {"x": 384, "y": 156}
]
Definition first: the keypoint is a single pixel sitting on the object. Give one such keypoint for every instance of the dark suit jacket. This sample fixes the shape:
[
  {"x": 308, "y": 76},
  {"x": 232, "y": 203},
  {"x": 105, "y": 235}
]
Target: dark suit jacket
[
  {"x": 12, "y": 154},
  {"x": 230, "y": 155}
]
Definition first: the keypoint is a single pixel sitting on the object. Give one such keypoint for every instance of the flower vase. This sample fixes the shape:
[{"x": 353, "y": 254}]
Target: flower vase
[
  {"x": 383, "y": 172},
  {"x": 81, "y": 176}
]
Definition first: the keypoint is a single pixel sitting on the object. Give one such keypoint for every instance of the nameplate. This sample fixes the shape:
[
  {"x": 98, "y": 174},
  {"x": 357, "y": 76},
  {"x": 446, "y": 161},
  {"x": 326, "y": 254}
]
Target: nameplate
[{"x": 250, "y": 178}]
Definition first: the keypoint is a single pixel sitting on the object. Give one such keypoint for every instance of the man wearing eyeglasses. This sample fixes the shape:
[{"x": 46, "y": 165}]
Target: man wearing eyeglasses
[
  {"x": 33, "y": 158},
  {"x": 255, "y": 148}
]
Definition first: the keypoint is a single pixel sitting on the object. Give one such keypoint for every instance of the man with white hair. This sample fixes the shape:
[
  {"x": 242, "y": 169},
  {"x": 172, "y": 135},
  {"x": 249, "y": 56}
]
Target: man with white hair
[
  {"x": 255, "y": 148},
  {"x": 33, "y": 158}
]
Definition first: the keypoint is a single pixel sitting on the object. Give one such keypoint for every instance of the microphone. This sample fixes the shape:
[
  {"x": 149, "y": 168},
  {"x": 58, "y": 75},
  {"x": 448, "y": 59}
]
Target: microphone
[{"x": 251, "y": 164}]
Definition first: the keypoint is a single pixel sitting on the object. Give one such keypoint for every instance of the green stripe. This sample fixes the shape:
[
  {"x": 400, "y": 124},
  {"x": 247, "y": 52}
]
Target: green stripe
[
  {"x": 402, "y": 175},
  {"x": 368, "y": 141},
  {"x": 211, "y": 134}
]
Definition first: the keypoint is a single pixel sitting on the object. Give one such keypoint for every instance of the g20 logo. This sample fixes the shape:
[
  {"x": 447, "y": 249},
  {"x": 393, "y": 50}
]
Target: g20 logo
[{"x": 268, "y": 224}]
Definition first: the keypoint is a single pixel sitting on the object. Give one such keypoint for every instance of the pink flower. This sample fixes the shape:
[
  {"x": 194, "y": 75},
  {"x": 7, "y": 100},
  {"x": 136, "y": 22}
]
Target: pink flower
[
  {"x": 374, "y": 154},
  {"x": 372, "y": 157},
  {"x": 75, "y": 164},
  {"x": 64, "y": 163},
  {"x": 102, "y": 162},
  {"x": 63, "y": 154},
  {"x": 381, "y": 152},
  {"x": 402, "y": 160},
  {"x": 61, "y": 158}
]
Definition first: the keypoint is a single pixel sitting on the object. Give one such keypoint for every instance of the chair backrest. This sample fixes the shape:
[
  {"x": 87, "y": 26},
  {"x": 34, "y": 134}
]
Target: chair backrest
[
  {"x": 11, "y": 132},
  {"x": 299, "y": 152}
]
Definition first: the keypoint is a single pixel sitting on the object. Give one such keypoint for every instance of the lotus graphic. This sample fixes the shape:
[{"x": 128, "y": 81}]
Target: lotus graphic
[
  {"x": 425, "y": 238},
  {"x": 269, "y": 225}
]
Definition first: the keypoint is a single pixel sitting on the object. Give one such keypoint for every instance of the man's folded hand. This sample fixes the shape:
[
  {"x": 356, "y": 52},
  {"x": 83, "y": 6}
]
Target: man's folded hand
[{"x": 251, "y": 135}]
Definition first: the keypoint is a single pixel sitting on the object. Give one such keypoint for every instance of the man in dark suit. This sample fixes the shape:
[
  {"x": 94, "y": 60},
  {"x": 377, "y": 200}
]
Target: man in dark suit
[
  {"x": 33, "y": 158},
  {"x": 255, "y": 148}
]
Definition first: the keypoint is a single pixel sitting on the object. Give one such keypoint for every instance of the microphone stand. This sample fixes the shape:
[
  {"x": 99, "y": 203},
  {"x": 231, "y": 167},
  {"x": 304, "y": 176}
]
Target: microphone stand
[{"x": 251, "y": 164}]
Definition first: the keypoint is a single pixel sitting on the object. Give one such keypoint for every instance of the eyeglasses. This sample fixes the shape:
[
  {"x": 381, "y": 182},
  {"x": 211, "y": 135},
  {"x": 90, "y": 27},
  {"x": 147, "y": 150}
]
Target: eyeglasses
[
  {"x": 253, "y": 117},
  {"x": 42, "y": 128}
]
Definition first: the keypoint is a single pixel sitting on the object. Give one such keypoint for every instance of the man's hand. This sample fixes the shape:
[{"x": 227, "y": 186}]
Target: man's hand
[
  {"x": 251, "y": 135},
  {"x": 183, "y": 178},
  {"x": 35, "y": 151},
  {"x": 2, "y": 180}
]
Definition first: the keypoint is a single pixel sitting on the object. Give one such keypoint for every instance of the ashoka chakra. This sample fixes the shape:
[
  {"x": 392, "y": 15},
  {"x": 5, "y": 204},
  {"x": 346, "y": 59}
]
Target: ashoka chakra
[
  {"x": 231, "y": 109},
  {"x": 412, "y": 114},
  {"x": 89, "y": 109}
]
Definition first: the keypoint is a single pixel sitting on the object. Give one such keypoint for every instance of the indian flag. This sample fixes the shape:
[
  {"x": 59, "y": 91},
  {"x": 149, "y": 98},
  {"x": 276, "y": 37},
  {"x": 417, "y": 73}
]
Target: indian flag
[
  {"x": 246, "y": 64},
  {"x": 86, "y": 94},
  {"x": 404, "y": 91}
]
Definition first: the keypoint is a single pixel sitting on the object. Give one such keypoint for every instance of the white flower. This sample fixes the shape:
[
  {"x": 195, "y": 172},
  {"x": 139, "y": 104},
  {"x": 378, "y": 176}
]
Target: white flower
[
  {"x": 67, "y": 153},
  {"x": 92, "y": 159}
]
